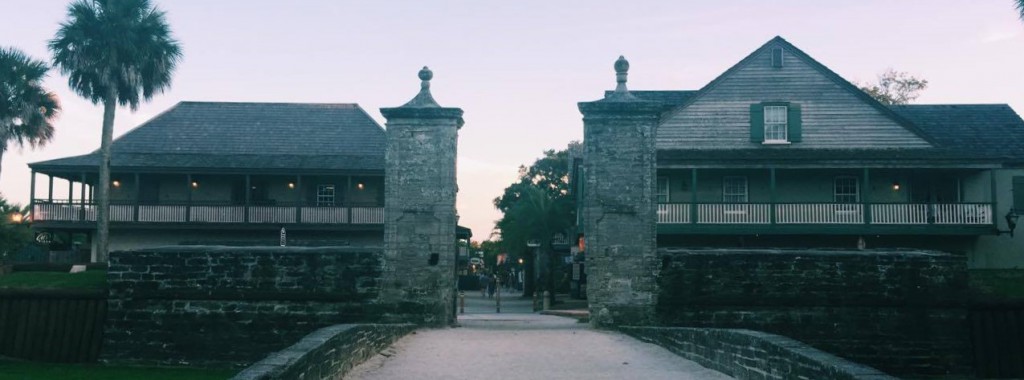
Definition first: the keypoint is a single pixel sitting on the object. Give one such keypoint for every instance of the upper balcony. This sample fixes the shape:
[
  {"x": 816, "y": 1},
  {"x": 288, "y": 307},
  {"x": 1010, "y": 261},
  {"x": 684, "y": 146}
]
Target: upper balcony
[{"x": 139, "y": 199}]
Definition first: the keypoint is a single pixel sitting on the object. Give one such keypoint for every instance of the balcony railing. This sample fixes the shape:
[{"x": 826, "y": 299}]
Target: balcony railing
[
  {"x": 826, "y": 213},
  {"x": 214, "y": 214}
]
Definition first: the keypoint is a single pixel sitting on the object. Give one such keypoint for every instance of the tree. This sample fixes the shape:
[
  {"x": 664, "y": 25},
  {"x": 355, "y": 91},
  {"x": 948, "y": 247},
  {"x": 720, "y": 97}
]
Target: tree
[
  {"x": 114, "y": 52},
  {"x": 536, "y": 208},
  {"x": 1020, "y": 7},
  {"x": 15, "y": 235},
  {"x": 27, "y": 110},
  {"x": 895, "y": 87}
]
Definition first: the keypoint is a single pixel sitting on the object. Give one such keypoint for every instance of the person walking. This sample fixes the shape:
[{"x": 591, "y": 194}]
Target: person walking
[
  {"x": 492, "y": 284},
  {"x": 483, "y": 284}
]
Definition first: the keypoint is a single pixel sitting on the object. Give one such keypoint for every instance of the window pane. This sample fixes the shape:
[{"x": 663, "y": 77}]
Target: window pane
[
  {"x": 775, "y": 123},
  {"x": 846, "y": 190},
  {"x": 662, "y": 191},
  {"x": 734, "y": 189},
  {"x": 325, "y": 195}
]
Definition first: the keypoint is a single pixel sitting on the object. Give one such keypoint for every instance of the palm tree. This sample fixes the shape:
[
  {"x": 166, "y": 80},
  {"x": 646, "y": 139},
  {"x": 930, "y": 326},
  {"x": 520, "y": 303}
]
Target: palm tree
[
  {"x": 115, "y": 52},
  {"x": 1020, "y": 7},
  {"x": 27, "y": 110}
]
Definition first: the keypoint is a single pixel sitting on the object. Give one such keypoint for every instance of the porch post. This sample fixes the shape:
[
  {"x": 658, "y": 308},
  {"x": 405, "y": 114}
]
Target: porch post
[
  {"x": 81, "y": 196},
  {"x": 248, "y": 190},
  {"x": 771, "y": 195},
  {"x": 50, "y": 194},
  {"x": 188, "y": 202},
  {"x": 32, "y": 193},
  {"x": 138, "y": 194},
  {"x": 693, "y": 196},
  {"x": 865, "y": 189},
  {"x": 298, "y": 199},
  {"x": 71, "y": 191},
  {"x": 348, "y": 189},
  {"x": 992, "y": 187}
]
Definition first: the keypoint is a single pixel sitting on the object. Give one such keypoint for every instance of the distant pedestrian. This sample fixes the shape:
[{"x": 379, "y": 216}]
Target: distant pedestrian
[
  {"x": 492, "y": 285},
  {"x": 484, "y": 280}
]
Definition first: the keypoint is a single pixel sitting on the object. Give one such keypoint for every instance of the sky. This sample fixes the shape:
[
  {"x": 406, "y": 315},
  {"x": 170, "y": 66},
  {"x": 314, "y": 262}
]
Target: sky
[{"x": 518, "y": 68}]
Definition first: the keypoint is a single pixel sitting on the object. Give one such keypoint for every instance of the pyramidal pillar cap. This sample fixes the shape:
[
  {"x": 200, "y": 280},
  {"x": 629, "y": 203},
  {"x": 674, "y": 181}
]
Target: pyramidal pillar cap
[{"x": 423, "y": 104}]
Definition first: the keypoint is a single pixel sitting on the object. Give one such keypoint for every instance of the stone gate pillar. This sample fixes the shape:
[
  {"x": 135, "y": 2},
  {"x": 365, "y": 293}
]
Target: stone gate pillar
[
  {"x": 419, "y": 208},
  {"x": 619, "y": 209}
]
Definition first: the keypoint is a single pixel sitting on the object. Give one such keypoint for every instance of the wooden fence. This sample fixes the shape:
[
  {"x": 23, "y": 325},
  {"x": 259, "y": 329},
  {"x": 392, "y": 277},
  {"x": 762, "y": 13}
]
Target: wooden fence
[
  {"x": 997, "y": 333},
  {"x": 52, "y": 326}
]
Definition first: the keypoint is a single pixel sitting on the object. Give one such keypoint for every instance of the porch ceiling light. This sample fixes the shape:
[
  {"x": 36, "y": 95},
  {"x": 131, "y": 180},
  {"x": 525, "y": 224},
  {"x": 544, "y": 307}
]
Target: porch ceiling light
[
  {"x": 195, "y": 184},
  {"x": 360, "y": 186},
  {"x": 116, "y": 183},
  {"x": 291, "y": 185},
  {"x": 896, "y": 186}
]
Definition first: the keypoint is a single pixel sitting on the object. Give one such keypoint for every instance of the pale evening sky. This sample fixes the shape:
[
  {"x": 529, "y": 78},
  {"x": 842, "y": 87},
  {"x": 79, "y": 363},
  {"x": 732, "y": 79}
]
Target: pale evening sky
[{"x": 518, "y": 68}]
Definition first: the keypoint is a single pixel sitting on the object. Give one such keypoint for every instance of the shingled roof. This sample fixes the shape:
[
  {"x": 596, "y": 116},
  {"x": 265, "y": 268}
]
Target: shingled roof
[
  {"x": 245, "y": 136},
  {"x": 963, "y": 133}
]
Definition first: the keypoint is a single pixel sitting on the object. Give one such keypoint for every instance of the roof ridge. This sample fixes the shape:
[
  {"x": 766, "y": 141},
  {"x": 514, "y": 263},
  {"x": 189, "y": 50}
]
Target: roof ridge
[{"x": 266, "y": 103}]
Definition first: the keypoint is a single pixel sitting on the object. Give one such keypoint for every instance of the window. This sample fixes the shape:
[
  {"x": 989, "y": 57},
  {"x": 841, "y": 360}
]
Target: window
[
  {"x": 662, "y": 191},
  {"x": 1018, "y": 194},
  {"x": 777, "y": 57},
  {"x": 325, "y": 195},
  {"x": 846, "y": 190},
  {"x": 734, "y": 189},
  {"x": 775, "y": 124}
]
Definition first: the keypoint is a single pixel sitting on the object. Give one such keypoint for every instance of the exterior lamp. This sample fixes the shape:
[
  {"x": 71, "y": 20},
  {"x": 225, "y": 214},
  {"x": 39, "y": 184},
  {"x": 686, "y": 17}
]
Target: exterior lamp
[
  {"x": 360, "y": 186},
  {"x": 291, "y": 185},
  {"x": 1011, "y": 221},
  {"x": 895, "y": 186},
  {"x": 17, "y": 217},
  {"x": 195, "y": 184},
  {"x": 116, "y": 183},
  {"x": 520, "y": 261}
]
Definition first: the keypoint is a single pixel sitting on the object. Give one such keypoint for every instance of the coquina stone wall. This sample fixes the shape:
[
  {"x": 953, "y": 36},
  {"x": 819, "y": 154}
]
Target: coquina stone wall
[
  {"x": 903, "y": 312},
  {"x": 208, "y": 305}
]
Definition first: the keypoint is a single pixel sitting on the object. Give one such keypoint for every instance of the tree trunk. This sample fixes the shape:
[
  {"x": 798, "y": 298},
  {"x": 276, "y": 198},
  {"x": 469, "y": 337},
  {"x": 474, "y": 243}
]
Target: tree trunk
[
  {"x": 549, "y": 276},
  {"x": 103, "y": 196}
]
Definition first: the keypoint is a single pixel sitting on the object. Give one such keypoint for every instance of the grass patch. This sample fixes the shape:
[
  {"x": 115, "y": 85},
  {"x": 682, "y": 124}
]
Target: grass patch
[
  {"x": 93, "y": 279},
  {"x": 12, "y": 370}
]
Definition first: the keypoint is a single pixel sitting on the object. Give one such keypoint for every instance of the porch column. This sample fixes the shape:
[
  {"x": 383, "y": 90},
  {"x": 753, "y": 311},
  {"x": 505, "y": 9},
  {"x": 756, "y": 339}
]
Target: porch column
[
  {"x": 992, "y": 199},
  {"x": 248, "y": 190},
  {"x": 188, "y": 201},
  {"x": 32, "y": 192},
  {"x": 138, "y": 194},
  {"x": 865, "y": 197},
  {"x": 298, "y": 199},
  {"x": 81, "y": 195},
  {"x": 348, "y": 190},
  {"x": 71, "y": 191},
  {"x": 693, "y": 196},
  {"x": 50, "y": 194},
  {"x": 771, "y": 195}
]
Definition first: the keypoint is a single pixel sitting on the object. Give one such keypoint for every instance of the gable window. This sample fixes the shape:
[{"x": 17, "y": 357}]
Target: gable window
[
  {"x": 325, "y": 195},
  {"x": 846, "y": 190},
  {"x": 662, "y": 191},
  {"x": 775, "y": 124},
  {"x": 734, "y": 189}
]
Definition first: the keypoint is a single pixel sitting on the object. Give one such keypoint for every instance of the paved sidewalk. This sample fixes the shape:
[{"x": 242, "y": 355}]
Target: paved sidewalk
[{"x": 518, "y": 344}]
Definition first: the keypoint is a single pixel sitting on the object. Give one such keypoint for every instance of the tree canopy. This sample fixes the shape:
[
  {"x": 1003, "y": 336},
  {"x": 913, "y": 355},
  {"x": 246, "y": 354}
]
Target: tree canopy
[
  {"x": 27, "y": 109},
  {"x": 895, "y": 87}
]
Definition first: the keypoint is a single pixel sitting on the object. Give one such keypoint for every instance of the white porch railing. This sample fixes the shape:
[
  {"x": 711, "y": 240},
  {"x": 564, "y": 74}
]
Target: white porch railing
[
  {"x": 271, "y": 214},
  {"x": 217, "y": 214},
  {"x": 908, "y": 213},
  {"x": 673, "y": 213},
  {"x": 77, "y": 212},
  {"x": 367, "y": 215},
  {"x": 733, "y": 213},
  {"x": 963, "y": 213},
  {"x": 819, "y": 213},
  {"x": 324, "y": 215}
]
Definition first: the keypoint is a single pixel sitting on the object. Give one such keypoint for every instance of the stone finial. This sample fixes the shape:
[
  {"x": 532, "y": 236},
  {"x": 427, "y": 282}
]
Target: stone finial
[
  {"x": 621, "y": 71},
  {"x": 423, "y": 99}
]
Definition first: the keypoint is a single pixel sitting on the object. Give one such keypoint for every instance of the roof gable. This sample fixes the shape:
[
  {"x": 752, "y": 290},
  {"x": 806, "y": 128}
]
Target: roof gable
[{"x": 836, "y": 113}]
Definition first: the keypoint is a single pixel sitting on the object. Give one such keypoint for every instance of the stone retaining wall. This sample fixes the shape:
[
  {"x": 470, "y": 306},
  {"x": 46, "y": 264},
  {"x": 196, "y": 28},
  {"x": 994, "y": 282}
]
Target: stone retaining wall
[
  {"x": 215, "y": 305},
  {"x": 746, "y": 354},
  {"x": 903, "y": 312},
  {"x": 328, "y": 353}
]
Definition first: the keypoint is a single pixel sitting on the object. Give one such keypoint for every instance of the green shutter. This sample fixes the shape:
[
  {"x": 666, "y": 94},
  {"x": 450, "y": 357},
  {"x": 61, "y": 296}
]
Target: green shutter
[
  {"x": 795, "y": 127},
  {"x": 757, "y": 123},
  {"x": 1018, "y": 194}
]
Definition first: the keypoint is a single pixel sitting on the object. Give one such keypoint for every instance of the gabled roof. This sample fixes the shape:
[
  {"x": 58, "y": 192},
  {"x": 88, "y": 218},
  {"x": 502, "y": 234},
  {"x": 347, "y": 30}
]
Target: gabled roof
[
  {"x": 840, "y": 81},
  {"x": 225, "y": 135}
]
